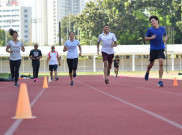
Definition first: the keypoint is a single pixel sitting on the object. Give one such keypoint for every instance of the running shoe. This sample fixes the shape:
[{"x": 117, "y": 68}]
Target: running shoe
[
  {"x": 160, "y": 83},
  {"x": 146, "y": 76},
  {"x": 37, "y": 80},
  {"x": 106, "y": 81},
  {"x": 51, "y": 78},
  {"x": 71, "y": 83},
  {"x": 74, "y": 74},
  {"x": 17, "y": 85},
  {"x": 56, "y": 78}
]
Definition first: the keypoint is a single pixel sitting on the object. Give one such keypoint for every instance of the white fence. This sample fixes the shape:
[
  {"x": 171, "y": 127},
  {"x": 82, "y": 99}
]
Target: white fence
[{"x": 132, "y": 58}]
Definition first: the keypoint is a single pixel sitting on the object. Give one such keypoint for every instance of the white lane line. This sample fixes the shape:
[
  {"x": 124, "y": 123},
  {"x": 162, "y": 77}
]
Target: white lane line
[
  {"x": 15, "y": 125},
  {"x": 170, "y": 93},
  {"x": 173, "y": 123}
]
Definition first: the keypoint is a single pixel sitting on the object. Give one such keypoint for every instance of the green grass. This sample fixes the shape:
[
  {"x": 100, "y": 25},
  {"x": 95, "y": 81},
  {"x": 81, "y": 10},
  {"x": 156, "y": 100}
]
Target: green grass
[
  {"x": 4, "y": 75},
  {"x": 153, "y": 74}
]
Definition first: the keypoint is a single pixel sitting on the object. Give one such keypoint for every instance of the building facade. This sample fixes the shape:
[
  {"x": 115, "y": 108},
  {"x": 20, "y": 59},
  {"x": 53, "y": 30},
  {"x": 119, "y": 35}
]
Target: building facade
[
  {"x": 48, "y": 15},
  {"x": 18, "y": 18}
]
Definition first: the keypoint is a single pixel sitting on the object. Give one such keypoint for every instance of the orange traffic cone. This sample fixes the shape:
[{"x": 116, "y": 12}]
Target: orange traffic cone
[
  {"x": 45, "y": 85},
  {"x": 175, "y": 82},
  {"x": 23, "y": 110}
]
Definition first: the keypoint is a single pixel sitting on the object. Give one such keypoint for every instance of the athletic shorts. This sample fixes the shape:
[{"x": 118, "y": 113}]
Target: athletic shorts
[
  {"x": 72, "y": 64},
  {"x": 156, "y": 54},
  {"x": 107, "y": 57},
  {"x": 53, "y": 67}
]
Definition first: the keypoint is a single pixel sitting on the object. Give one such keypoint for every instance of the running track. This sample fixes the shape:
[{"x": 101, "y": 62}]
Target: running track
[{"x": 127, "y": 106}]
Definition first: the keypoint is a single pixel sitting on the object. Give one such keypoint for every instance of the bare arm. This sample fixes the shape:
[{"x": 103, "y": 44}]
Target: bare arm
[
  {"x": 48, "y": 61},
  {"x": 165, "y": 38},
  {"x": 80, "y": 49},
  {"x": 59, "y": 60},
  {"x": 65, "y": 49},
  {"x": 115, "y": 44},
  {"x": 8, "y": 49},
  {"x": 149, "y": 38},
  {"x": 98, "y": 44},
  {"x": 23, "y": 49}
]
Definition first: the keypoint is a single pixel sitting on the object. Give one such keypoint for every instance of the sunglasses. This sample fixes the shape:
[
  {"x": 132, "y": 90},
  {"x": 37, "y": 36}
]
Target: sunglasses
[{"x": 35, "y": 46}]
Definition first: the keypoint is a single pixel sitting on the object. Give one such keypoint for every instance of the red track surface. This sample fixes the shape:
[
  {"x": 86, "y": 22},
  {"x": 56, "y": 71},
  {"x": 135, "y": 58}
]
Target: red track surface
[{"x": 127, "y": 106}]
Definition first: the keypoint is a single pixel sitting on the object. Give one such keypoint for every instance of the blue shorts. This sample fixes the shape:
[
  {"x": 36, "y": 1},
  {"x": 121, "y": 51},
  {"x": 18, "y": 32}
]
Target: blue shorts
[{"x": 53, "y": 67}]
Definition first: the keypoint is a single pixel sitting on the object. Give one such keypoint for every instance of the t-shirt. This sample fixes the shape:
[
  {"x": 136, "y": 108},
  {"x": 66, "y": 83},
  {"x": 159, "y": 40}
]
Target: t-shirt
[
  {"x": 53, "y": 56},
  {"x": 15, "y": 46},
  {"x": 116, "y": 63},
  {"x": 72, "y": 48},
  {"x": 157, "y": 43},
  {"x": 107, "y": 41},
  {"x": 35, "y": 53}
]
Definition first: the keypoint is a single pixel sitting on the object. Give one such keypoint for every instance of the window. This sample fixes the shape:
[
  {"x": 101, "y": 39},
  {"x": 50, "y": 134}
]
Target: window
[
  {"x": 26, "y": 31},
  {"x": 15, "y": 10},
  {"x": 15, "y": 25},
  {"x": 26, "y": 36},
  {"x": 15, "y": 15},
  {"x": 25, "y": 15},
  {"x": 26, "y": 26},
  {"x": 26, "y": 21},
  {"x": 25, "y": 10},
  {"x": 15, "y": 21}
]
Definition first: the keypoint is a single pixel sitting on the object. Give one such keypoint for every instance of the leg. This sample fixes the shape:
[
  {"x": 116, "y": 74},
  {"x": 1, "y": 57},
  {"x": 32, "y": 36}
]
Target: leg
[
  {"x": 74, "y": 66},
  {"x": 160, "y": 68},
  {"x": 110, "y": 60},
  {"x": 34, "y": 70},
  {"x": 37, "y": 70},
  {"x": 51, "y": 70},
  {"x": 117, "y": 71},
  {"x": 12, "y": 69},
  {"x": 150, "y": 66},
  {"x": 105, "y": 69},
  {"x": 17, "y": 67},
  {"x": 51, "y": 74},
  {"x": 69, "y": 62}
]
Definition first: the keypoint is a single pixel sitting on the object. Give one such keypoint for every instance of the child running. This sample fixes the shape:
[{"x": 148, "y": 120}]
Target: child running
[
  {"x": 156, "y": 34},
  {"x": 116, "y": 65},
  {"x": 53, "y": 59},
  {"x": 72, "y": 55}
]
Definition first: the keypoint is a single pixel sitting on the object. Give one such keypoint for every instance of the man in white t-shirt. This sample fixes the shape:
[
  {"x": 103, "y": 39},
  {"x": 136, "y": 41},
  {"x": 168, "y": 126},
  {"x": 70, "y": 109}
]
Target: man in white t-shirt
[
  {"x": 53, "y": 59},
  {"x": 107, "y": 50}
]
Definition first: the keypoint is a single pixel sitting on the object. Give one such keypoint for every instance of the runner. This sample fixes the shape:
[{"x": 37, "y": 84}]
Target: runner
[
  {"x": 155, "y": 35},
  {"x": 107, "y": 50},
  {"x": 13, "y": 47},
  {"x": 72, "y": 55},
  {"x": 35, "y": 55},
  {"x": 116, "y": 65},
  {"x": 53, "y": 59}
]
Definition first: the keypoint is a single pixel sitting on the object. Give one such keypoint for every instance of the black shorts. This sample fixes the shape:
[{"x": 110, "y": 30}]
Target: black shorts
[
  {"x": 53, "y": 67},
  {"x": 72, "y": 64},
  {"x": 156, "y": 54}
]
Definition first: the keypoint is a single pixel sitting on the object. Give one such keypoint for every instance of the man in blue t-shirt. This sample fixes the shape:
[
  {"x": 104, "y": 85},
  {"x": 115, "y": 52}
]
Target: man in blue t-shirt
[{"x": 156, "y": 34}]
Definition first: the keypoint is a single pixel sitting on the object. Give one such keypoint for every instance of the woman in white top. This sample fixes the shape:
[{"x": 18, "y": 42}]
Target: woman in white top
[
  {"x": 72, "y": 55},
  {"x": 13, "y": 47}
]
